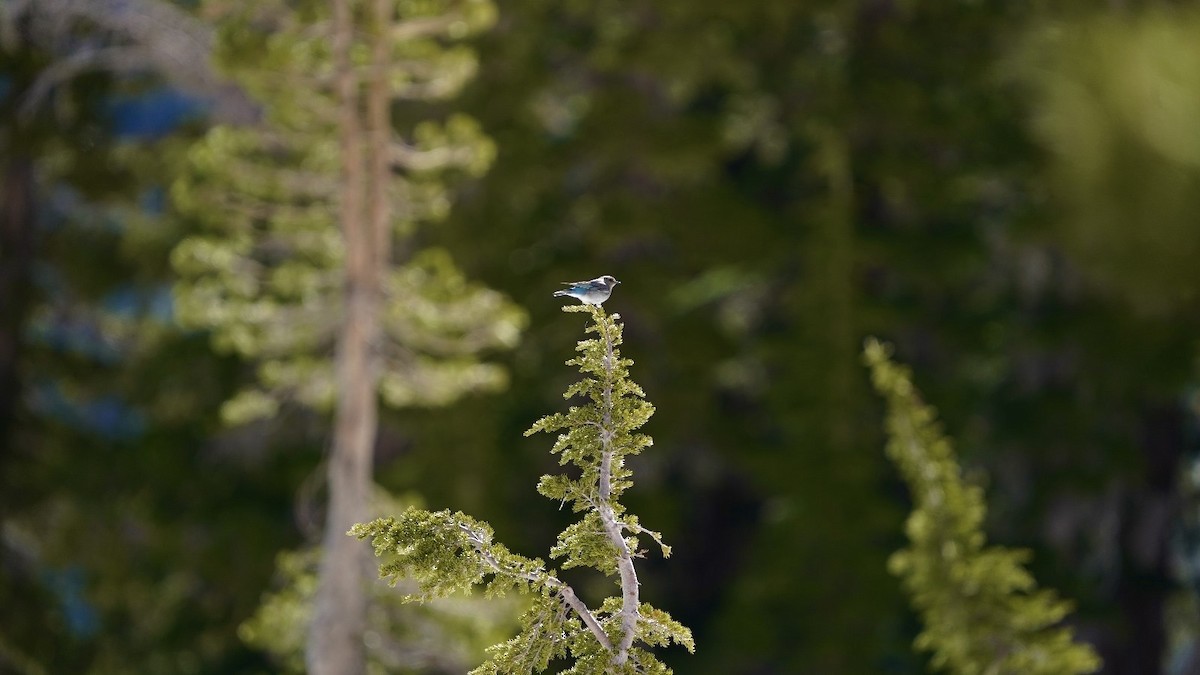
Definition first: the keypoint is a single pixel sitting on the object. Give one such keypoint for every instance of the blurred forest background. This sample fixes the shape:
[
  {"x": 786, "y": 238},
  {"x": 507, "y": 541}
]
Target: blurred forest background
[{"x": 1007, "y": 191}]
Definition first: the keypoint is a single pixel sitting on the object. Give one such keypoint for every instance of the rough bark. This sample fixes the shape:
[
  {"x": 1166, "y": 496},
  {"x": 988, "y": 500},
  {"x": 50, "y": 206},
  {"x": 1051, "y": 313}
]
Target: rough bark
[
  {"x": 335, "y": 645},
  {"x": 379, "y": 134}
]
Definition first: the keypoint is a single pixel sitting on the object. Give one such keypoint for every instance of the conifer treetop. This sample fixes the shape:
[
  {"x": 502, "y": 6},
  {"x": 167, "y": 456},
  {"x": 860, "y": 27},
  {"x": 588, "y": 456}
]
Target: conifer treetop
[
  {"x": 265, "y": 268},
  {"x": 447, "y": 552},
  {"x": 982, "y": 610}
]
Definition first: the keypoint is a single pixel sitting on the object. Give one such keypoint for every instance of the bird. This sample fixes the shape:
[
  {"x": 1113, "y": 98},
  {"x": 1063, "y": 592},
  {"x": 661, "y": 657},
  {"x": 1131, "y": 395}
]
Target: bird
[{"x": 593, "y": 292}]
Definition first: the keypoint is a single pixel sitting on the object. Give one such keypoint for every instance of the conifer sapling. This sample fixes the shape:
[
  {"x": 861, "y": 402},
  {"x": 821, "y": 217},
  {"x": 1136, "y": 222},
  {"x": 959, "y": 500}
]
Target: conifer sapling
[
  {"x": 982, "y": 610},
  {"x": 446, "y": 552}
]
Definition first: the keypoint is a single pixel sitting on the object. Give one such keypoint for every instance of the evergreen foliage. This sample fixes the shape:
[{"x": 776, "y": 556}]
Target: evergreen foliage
[
  {"x": 1116, "y": 99},
  {"x": 982, "y": 610},
  {"x": 266, "y": 272},
  {"x": 448, "y": 552},
  {"x": 631, "y": 136},
  {"x": 443, "y": 637},
  {"x": 92, "y": 369}
]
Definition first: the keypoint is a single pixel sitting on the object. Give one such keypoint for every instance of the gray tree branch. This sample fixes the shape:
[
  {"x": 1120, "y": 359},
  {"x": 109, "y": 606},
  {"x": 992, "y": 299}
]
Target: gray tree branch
[
  {"x": 613, "y": 527},
  {"x": 564, "y": 590},
  {"x": 109, "y": 34}
]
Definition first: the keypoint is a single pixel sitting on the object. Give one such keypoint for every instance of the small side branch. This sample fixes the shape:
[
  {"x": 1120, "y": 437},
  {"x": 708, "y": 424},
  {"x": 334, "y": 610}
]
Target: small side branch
[
  {"x": 117, "y": 59},
  {"x": 568, "y": 595},
  {"x": 408, "y": 157},
  {"x": 425, "y": 27},
  {"x": 638, "y": 529},
  {"x": 564, "y": 590}
]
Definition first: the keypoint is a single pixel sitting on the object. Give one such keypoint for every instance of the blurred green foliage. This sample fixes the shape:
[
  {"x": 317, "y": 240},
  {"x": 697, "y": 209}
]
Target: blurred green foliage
[
  {"x": 1117, "y": 102},
  {"x": 269, "y": 270},
  {"x": 264, "y": 271},
  {"x": 1003, "y": 190},
  {"x": 981, "y": 608}
]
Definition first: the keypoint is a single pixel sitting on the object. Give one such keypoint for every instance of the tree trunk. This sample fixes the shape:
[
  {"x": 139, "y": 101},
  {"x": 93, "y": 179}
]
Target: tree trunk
[
  {"x": 335, "y": 645},
  {"x": 379, "y": 134},
  {"x": 835, "y": 284},
  {"x": 16, "y": 254}
]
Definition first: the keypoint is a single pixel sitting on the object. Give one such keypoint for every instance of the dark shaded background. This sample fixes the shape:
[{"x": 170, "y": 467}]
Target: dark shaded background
[{"x": 1006, "y": 190}]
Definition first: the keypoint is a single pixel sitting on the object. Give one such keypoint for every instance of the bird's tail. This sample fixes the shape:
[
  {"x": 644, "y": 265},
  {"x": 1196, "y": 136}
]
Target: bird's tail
[{"x": 561, "y": 294}]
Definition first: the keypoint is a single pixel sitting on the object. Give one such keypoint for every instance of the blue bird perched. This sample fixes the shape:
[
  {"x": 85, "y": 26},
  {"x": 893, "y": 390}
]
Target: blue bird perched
[{"x": 593, "y": 292}]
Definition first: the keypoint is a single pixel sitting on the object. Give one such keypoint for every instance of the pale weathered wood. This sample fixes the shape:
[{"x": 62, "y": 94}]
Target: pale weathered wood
[{"x": 335, "y": 645}]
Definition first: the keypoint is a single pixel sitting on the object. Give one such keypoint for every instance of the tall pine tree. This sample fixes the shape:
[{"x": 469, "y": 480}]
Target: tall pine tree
[{"x": 309, "y": 263}]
